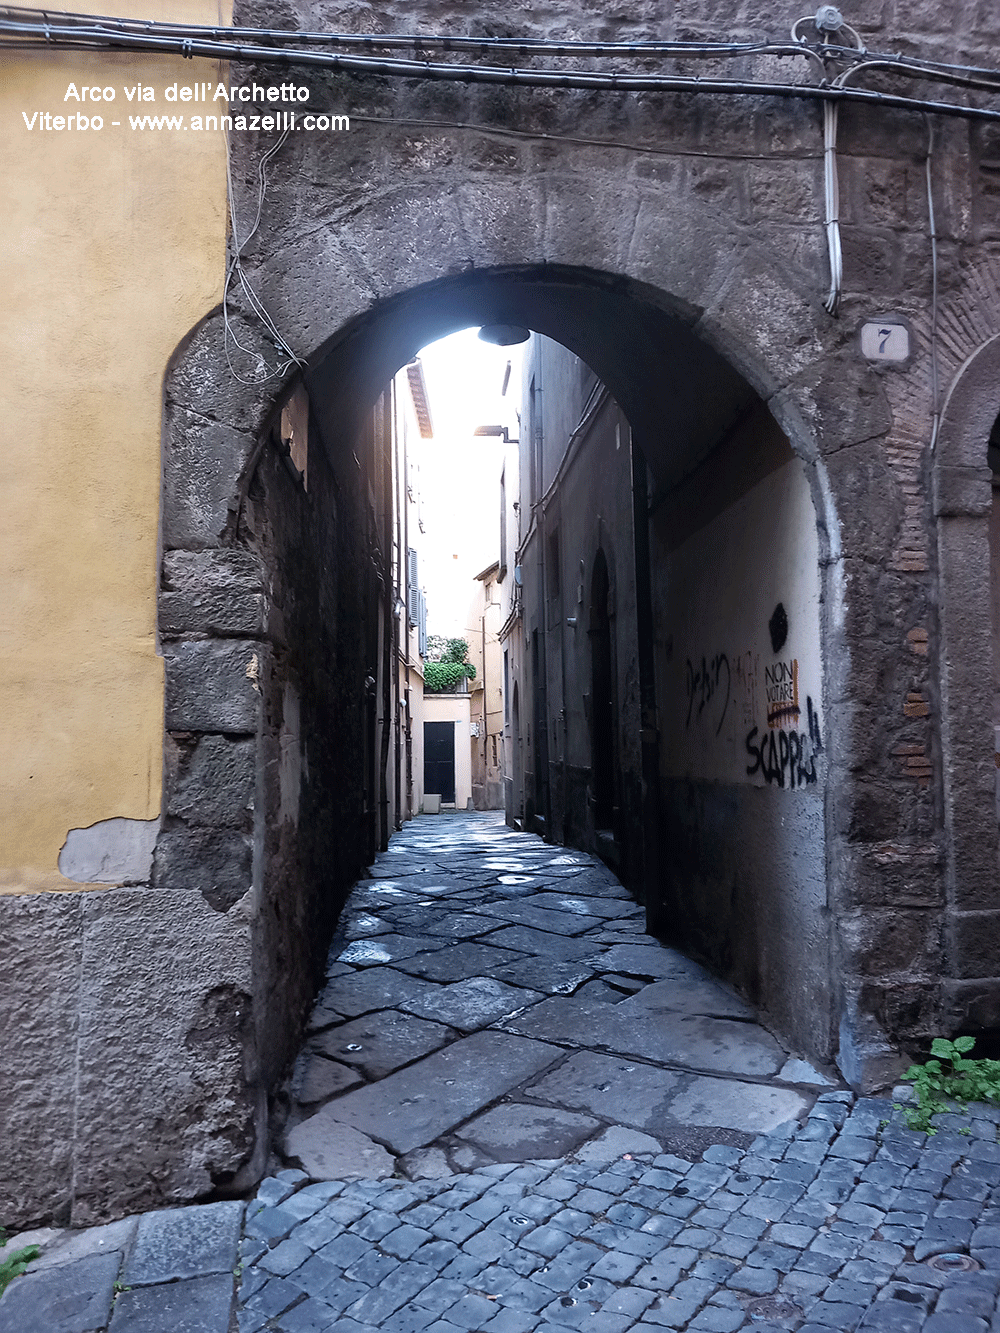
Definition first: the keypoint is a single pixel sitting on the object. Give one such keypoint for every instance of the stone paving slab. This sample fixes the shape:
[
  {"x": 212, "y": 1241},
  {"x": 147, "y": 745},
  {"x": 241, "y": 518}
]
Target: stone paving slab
[
  {"x": 647, "y": 959},
  {"x": 386, "y": 949},
  {"x": 616, "y": 1089},
  {"x": 381, "y": 1042},
  {"x": 733, "y": 1105},
  {"x": 65, "y": 1246},
  {"x": 541, "y": 974},
  {"x": 473, "y": 1003},
  {"x": 417, "y": 1105},
  {"x": 457, "y": 962},
  {"x": 694, "y": 995},
  {"x": 330, "y": 1150},
  {"x": 516, "y": 1132},
  {"x": 528, "y": 912},
  {"x": 317, "y": 1078},
  {"x": 694, "y": 1042},
  {"x": 546, "y": 944},
  {"x": 358, "y": 993},
  {"x": 68, "y": 1298},
  {"x": 183, "y": 1243},
  {"x": 198, "y": 1305}
]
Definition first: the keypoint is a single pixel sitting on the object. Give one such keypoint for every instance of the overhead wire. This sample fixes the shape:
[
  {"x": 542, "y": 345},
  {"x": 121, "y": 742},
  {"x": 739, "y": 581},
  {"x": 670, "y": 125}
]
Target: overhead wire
[
  {"x": 935, "y": 389},
  {"x": 191, "y": 42},
  {"x": 47, "y": 18},
  {"x": 236, "y": 267}
]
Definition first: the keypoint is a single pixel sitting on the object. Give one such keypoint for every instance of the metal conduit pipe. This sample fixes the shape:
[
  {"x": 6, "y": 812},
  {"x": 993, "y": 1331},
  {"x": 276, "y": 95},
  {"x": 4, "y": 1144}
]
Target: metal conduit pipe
[{"x": 831, "y": 191}]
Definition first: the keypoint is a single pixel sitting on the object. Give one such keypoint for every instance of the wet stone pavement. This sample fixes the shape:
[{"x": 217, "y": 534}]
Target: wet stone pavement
[
  {"x": 491, "y": 998},
  {"x": 515, "y": 1112}
]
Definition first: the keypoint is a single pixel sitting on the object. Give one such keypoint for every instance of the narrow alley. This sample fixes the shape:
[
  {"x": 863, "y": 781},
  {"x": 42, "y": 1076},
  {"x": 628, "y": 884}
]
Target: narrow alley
[
  {"x": 515, "y": 1112},
  {"x": 492, "y": 998}
]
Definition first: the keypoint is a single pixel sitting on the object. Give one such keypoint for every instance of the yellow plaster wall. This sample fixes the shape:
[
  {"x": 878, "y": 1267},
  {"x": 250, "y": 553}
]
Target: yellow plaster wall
[{"x": 114, "y": 247}]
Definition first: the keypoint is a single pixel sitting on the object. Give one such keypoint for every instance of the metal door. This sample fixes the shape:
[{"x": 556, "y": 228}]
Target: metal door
[{"x": 439, "y": 759}]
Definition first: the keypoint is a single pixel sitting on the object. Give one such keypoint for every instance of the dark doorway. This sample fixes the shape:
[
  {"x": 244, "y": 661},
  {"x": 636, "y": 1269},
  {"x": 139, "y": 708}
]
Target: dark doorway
[
  {"x": 439, "y": 759},
  {"x": 602, "y": 715}
]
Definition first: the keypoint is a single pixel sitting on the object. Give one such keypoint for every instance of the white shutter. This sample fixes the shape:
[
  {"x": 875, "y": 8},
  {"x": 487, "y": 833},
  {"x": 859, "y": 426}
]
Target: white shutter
[{"x": 412, "y": 590}]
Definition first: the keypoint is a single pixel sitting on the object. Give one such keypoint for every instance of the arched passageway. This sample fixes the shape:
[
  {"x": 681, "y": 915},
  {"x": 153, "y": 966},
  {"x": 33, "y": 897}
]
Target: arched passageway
[
  {"x": 747, "y": 424},
  {"x": 721, "y": 832}
]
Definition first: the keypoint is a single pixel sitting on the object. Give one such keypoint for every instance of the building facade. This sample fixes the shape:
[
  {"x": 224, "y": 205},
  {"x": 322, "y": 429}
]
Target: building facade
[{"x": 486, "y": 704}]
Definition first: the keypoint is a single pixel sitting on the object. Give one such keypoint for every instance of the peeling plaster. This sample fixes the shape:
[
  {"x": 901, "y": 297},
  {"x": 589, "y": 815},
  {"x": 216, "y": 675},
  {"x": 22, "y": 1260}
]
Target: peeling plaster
[{"x": 113, "y": 851}]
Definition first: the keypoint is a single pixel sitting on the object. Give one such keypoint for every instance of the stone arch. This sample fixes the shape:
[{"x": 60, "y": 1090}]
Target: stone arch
[
  {"x": 962, "y": 503},
  {"x": 668, "y": 271}
]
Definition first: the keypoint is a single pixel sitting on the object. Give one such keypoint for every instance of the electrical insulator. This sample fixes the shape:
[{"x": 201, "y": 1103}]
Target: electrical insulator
[{"x": 829, "y": 19}]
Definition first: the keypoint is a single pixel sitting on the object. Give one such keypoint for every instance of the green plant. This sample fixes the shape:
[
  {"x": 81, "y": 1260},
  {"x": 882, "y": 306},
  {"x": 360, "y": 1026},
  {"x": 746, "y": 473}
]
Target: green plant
[
  {"x": 949, "y": 1076},
  {"x": 447, "y": 662},
  {"x": 13, "y": 1265}
]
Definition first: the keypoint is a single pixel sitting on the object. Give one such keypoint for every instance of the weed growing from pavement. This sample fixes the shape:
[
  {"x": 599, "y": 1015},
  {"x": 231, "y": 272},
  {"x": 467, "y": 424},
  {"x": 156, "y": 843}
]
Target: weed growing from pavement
[
  {"x": 13, "y": 1265},
  {"x": 948, "y": 1074}
]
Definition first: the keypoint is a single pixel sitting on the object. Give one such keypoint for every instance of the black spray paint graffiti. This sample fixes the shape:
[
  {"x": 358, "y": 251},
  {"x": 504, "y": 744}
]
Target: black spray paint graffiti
[
  {"x": 712, "y": 681},
  {"x": 787, "y": 758}
]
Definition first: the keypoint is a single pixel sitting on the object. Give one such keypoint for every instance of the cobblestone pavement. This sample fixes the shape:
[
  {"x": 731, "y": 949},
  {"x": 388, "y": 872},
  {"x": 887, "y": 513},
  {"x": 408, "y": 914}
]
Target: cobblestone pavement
[{"x": 837, "y": 1218}]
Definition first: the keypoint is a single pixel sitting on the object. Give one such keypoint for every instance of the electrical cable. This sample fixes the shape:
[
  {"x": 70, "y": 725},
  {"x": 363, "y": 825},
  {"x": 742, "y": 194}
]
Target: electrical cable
[
  {"x": 831, "y": 192},
  {"x": 190, "y": 47},
  {"x": 529, "y": 45},
  {"x": 540, "y": 136},
  {"x": 236, "y": 267}
]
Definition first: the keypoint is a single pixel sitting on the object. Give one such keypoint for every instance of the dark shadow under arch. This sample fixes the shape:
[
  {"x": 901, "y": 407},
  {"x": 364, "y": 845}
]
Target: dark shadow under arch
[
  {"x": 602, "y": 706},
  {"x": 636, "y": 339}
]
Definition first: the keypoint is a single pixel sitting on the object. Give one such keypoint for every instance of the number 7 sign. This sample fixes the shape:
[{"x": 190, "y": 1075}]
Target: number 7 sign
[{"x": 885, "y": 340}]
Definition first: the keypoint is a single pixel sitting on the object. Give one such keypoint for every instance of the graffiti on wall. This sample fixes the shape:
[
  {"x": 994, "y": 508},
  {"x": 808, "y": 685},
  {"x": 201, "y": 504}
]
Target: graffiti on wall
[
  {"x": 787, "y": 757},
  {"x": 708, "y": 687},
  {"x": 764, "y": 705},
  {"x": 781, "y": 690}
]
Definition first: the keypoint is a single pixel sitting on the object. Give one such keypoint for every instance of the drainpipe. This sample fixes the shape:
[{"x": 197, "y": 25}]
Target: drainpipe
[
  {"x": 563, "y": 714},
  {"x": 542, "y": 684}
]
